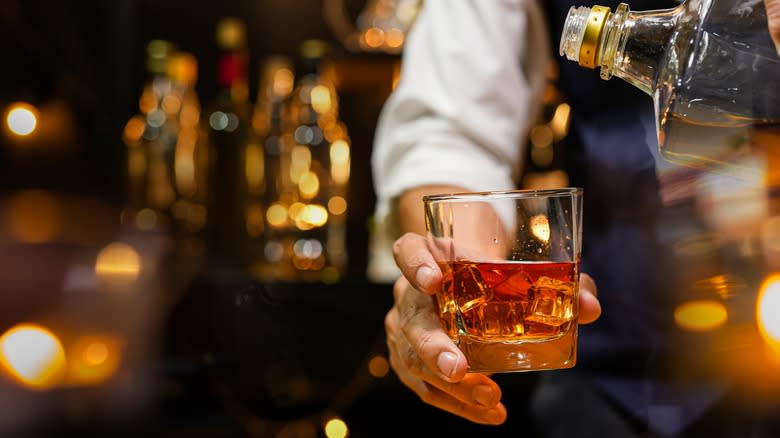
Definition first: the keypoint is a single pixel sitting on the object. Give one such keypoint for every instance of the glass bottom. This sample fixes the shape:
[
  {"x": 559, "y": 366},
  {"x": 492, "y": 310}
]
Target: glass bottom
[{"x": 507, "y": 357}]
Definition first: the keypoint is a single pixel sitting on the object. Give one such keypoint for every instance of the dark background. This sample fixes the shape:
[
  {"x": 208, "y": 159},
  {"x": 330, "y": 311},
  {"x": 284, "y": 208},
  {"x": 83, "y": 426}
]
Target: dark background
[
  {"x": 233, "y": 355},
  {"x": 87, "y": 56}
]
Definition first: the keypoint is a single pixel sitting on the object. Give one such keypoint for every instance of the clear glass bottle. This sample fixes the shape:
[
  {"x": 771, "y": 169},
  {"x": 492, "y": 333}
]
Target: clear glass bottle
[
  {"x": 265, "y": 161},
  {"x": 314, "y": 165},
  {"x": 711, "y": 68}
]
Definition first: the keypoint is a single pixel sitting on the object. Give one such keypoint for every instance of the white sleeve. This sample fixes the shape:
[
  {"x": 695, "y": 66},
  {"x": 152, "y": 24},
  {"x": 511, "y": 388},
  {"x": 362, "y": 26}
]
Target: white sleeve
[{"x": 471, "y": 75}]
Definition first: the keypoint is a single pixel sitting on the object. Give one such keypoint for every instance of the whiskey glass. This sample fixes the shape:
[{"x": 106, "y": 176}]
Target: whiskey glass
[{"x": 511, "y": 265}]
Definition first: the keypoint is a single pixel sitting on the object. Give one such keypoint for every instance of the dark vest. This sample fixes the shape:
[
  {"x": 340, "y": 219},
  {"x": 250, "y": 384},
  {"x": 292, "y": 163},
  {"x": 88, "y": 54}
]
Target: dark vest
[{"x": 630, "y": 349}]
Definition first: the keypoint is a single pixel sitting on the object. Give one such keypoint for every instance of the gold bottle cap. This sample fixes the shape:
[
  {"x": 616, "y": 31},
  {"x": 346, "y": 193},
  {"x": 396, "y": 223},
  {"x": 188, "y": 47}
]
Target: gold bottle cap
[{"x": 591, "y": 38}]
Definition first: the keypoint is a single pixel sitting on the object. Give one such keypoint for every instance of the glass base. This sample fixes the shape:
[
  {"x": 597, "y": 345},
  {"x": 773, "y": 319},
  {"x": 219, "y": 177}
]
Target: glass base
[{"x": 533, "y": 355}]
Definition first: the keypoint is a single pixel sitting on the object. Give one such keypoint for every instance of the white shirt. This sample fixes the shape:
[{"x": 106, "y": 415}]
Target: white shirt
[{"x": 471, "y": 76}]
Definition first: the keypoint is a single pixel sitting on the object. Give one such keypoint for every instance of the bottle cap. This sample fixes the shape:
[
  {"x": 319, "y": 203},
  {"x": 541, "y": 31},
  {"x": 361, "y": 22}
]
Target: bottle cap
[{"x": 591, "y": 38}]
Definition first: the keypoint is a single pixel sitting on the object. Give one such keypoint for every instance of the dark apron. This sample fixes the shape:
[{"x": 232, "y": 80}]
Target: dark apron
[{"x": 626, "y": 354}]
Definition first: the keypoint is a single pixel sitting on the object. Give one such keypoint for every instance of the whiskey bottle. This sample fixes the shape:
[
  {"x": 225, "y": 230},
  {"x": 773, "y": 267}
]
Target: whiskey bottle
[
  {"x": 710, "y": 67},
  {"x": 228, "y": 123},
  {"x": 266, "y": 171}
]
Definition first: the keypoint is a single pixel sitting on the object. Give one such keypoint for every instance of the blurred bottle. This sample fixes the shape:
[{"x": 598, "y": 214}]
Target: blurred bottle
[
  {"x": 192, "y": 155},
  {"x": 228, "y": 123},
  {"x": 150, "y": 138},
  {"x": 710, "y": 66},
  {"x": 318, "y": 166},
  {"x": 265, "y": 157},
  {"x": 167, "y": 152}
]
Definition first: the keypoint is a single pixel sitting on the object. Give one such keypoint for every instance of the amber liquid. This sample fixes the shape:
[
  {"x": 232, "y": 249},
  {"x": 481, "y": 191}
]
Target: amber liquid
[{"x": 509, "y": 301}]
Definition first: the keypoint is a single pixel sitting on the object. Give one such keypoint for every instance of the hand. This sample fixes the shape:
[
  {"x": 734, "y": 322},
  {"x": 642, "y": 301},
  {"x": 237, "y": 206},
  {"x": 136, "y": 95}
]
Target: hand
[
  {"x": 424, "y": 357},
  {"x": 773, "y": 16}
]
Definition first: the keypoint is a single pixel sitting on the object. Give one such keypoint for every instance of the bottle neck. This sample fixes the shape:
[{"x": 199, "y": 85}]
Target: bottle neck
[
  {"x": 232, "y": 75},
  {"x": 628, "y": 44}
]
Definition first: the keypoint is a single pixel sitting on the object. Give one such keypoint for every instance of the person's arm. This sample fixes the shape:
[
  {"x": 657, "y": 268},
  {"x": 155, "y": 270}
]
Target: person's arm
[
  {"x": 773, "y": 16},
  {"x": 455, "y": 123}
]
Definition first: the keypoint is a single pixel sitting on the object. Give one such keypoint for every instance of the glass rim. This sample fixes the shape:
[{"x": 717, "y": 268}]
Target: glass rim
[{"x": 504, "y": 194}]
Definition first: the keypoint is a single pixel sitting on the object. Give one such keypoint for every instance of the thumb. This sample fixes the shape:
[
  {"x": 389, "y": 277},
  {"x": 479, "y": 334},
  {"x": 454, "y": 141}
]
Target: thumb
[{"x": 773, "y": 17}]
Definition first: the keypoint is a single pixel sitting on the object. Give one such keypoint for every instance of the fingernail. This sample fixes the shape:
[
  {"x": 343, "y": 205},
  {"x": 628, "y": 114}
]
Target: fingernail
[
  {"x": 446, "y": 363},
  {"x": 484, "y": 395},
  {"x": 424, "y": 276}
]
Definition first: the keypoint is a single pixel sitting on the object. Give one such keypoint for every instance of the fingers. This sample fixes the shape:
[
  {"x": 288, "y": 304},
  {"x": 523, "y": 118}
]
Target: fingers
[
  {"x": 472, "y": 396},
  {"x": 590, "y": 308},
  {"x": 773, "y": 17},
  {"x": 415, "y": 261},
  {"x": 420, "y": 327}
]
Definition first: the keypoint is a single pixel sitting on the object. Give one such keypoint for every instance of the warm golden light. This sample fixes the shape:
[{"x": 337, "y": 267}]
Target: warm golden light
[
  {"x": 146, "y": 219},
  {"x": 378, "y": 366},
  {"x": 336, "y": 428},
  {"x": 339, "y": 152},
  {"x": 768, "y": 311},
  {"x": 300, "y": 162},
  {"x": 374, "y": 37},
  {"x": 309, "y": 185},
  {"x": 134, "y": 129},
  {"x": 541, "y": 136},
  {"x": 339, "y": 161},
  {"x": 337, "y": 205},
  {"x": 701, "y": 315},
  {"x": 95, "y": 353},
  {"x": 184, "y": 162},
  {"x": 560, "y": 121},
  {"x": 395, "y": 38},
  {"x": 315, "y": 215},
  {"x": 34, "y": 216},
  {"x": 22, "y": 119},
  {"x": 283, "y": 82},
  {"x": 254, "y": 220},
  {"x": 254, "y": 170},
  {"x": 320, "y": 99},
  {"x": 295, "y": 210},
  {"x": 276, "y": 215},
  {"x": 540, "y": 227},
  {"x": 33, "y": 356},
  {"x": 94, "y": 359},
  {"x": 171, "y": 104},
  {"x": 118, "y": 263},
  {"x": 148, "y": 100}
]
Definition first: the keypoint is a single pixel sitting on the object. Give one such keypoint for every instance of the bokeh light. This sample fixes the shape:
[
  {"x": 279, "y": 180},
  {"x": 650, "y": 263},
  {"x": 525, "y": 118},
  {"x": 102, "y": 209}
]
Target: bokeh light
[
  {"x": 34, "y": 216},
  {"x": 93, "y": 359},
  {"x": 336, "y": 428},
  {"x": 21, "y": 119},
  {"x": 378, "y": 366},
  {"x": 701, "y": 315},
  {"x": 33, "y": 356},
  {"x": 768, "y": 311},
  {"x": 118, "y": 264}
]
